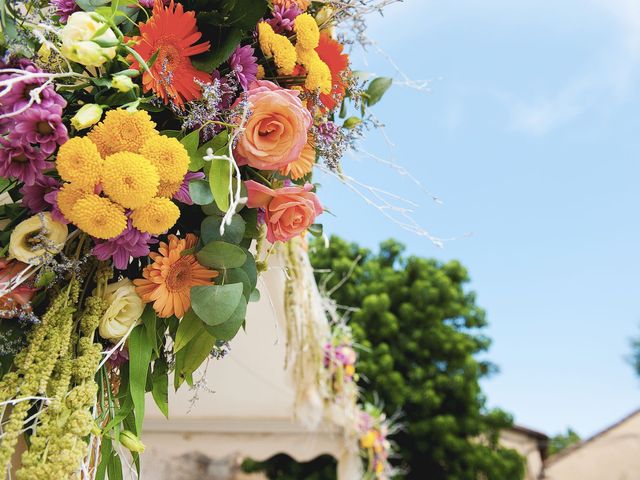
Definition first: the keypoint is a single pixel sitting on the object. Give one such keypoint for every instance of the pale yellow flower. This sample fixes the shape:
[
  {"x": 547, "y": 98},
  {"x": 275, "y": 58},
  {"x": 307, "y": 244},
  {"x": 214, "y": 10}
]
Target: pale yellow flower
[{"x": 124, "y": 310}]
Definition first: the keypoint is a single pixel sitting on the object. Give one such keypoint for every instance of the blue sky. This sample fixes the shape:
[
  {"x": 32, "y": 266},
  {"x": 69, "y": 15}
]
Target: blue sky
[{"x": 529, "y": 136}]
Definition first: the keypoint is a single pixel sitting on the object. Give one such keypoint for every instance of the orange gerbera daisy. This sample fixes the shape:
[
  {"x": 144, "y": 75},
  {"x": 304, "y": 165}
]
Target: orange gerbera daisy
[
  {"x": 331, "y": 53},
  {"x": 168, "y": 280},
  {"x": 172, "y": 33}
]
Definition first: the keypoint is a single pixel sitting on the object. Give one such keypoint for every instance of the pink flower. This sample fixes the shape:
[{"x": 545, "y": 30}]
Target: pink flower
[
  {"x": 36, "y": 196},
  {"x": 244, "y": 65},
  {"x": 276, "y": 131},
  {"x": 288, "y": 211},
  {"x": 21, "y": 160}
]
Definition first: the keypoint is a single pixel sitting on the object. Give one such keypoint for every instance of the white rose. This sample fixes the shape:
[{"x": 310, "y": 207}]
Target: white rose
[{"x": 124, "y": 309}]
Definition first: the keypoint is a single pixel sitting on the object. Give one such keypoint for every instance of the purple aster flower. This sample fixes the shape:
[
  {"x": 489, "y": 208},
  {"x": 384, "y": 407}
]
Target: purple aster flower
[
  {"x": 20, "y": 160},
  {"x": 56, "y": 213},
  {"x": 244, "y": 65},
  {"x": 64, "y": 8},
  {"x": 183, "y": 195},
  {"x": 42, "y": 124},
  {"x": 130, "y": 243},
  {"x": 35, "y": 197},
  {"x": 284, "y": 18},
  {"x": 149, "y": 3}
]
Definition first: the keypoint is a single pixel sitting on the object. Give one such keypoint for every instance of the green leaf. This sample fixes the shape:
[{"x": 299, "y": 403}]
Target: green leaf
[
  {"x": 215, "y": 304},
  {"x": 140, "y": 349},
  {"x": 316, "y": 229},
  {"x": 352, "y": 122},
  {"x": 191, "y": 143},
  {"x": 219, "y": 174},
  {"x": 251, "y": 269},
  {"x": 106, "y": 452},
  {"x": 250, "y": 216},
  {"x": 230, "y": 328},
  {"x": 221, "y": 255},
  {"x": 189, "y": 327},
  {"x": 160, "y": 390},
  {"x": 200, "y": 192},
  {"x": 189, "y": 359},
  {"x": 229, "y": 39},
  {"x": 377, "y": 89},
  {"x": 238, "y": 275},
  {"x": 233, "y": 233},
  {"x": 114, "y": 467},
  {"x": 255, "y": 296}
]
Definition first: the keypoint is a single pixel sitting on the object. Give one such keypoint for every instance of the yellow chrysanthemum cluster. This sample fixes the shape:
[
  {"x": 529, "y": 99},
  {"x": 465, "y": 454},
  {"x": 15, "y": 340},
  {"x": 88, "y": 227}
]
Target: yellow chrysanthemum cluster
[
  {"x": 123, "y": 163},
  {"x": 318, "y": 73},
  {"x": 286, "y": 56}
]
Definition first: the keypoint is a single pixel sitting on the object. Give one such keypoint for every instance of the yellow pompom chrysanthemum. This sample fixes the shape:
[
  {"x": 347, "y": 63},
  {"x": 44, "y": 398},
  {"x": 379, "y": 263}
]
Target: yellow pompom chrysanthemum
[
  {"x": 129, "y": 179},
  {"x": 67, "y": 198},
  {"x": 307, "y": 32},
  {"x": 156, "y": 217},
  {"x": 79, "y": 161},
  {"x": 99, "y": 217},
  {"x": 277, "y": 46},
  {"x": 169, "y": 157},
  {"x": 318, "y": 73},
  {"x": 123, "y": 131},
  {"x": 168, "y": 189}
]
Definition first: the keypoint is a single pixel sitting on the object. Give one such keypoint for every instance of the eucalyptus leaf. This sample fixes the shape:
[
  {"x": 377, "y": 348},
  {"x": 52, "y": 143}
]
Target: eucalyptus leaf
[
  {"x": 215, "y": 304},
  {"x": 238, "y": 275},
  {"x": 230, "y": 328},
  {"x": 255, "y": 296},
  {"x": 200, "y": 192},
  {"x": 251, "y": 269},
  {"x": 233, "y": 233},
  {"x": 221, "y": 255}
]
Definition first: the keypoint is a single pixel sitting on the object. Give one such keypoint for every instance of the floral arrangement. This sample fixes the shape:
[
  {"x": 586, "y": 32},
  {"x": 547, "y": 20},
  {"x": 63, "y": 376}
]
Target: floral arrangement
[
  {"x": 148, "y": 149},
  {"x": 340, "y": 359},
  {"x": 374, "y": 427}
]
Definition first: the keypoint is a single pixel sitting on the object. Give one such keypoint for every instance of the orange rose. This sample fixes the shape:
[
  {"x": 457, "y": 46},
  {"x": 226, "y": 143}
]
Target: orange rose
[
  {"x": 276, "y": 131},
  {"x": 288, "y": 211}
]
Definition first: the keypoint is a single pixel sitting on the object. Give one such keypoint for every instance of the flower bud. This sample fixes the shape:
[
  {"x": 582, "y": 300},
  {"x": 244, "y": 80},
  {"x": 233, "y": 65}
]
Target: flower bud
[
  {"x": 79, "y": 43},
  {"x": 36, "y": 238},
  {"x": 130, "y": 441},
  {"x": 88, "y": 115},
  {"x": 122, "y": 83}
]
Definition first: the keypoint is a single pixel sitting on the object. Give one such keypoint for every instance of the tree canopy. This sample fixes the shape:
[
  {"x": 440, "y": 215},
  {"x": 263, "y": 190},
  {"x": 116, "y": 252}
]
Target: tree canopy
[{"x": 421, "y": 334}]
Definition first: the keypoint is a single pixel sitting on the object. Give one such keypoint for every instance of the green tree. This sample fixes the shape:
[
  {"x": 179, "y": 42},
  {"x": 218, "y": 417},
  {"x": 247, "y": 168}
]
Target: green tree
[
  {"x": 635, "y": 355},
  {"x": 420, "y": 330},
  {"x": 559, "y": 442}
]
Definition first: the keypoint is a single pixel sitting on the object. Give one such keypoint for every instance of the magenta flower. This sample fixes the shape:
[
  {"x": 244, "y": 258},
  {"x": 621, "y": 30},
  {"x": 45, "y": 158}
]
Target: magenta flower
[
  {"x": 119, "y": 358},
  {"x": 42, "y": 124},
  {"x": 35, "y": 197},
  {"x": 284, "y": 18},
  {"x": 149, "y": 3},
  {"x": 244, "y": 65},
  {"x": 183, "y": 195},
  {"x": 21, "y": 160},
  {"x": 64, "y": 8},
  {"x": 130, "y": 243}
]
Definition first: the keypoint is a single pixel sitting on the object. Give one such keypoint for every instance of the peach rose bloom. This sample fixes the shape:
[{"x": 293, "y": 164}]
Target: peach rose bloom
[
  {"x": 289, "y": 211},
  {"x": 276, "y": 131}
]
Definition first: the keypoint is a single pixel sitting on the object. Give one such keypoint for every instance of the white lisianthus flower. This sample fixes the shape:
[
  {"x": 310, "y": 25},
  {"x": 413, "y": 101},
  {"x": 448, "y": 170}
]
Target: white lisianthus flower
[
  {"x": 81, "y": 44},
  {"x": 124, "y": 309},
  {"x": 122, "y": 83},
  {"x": 88, "y": 115},
  {"x": 36, "y": 238}
]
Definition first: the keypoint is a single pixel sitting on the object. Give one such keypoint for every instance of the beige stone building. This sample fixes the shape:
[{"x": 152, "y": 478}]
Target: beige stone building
[
  {"x": 532, "y": 445},
  {"x": 613, "y": 454}
]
